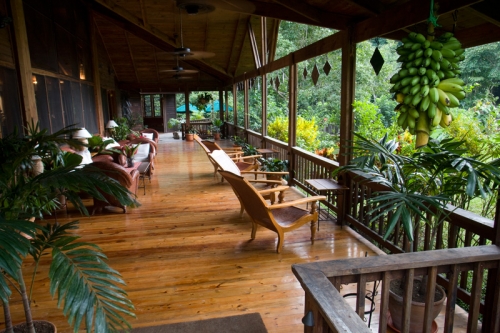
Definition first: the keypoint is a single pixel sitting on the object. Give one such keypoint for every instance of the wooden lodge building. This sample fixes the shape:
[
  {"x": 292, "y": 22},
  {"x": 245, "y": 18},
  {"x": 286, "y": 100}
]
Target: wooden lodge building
[{"x": 79, "y": 62}]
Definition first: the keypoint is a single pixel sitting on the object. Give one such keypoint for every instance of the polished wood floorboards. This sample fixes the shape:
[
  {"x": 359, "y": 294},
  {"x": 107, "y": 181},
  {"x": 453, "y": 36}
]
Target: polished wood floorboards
[{"x": 186, "y": 254}]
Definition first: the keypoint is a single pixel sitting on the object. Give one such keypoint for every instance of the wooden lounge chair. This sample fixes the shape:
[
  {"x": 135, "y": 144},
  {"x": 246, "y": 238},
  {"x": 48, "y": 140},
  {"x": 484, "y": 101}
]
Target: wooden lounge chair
[
  {"x": 281, "y": 217},
  {"x": 244, "y": 163},
  {"x": 225, "y": 163}
]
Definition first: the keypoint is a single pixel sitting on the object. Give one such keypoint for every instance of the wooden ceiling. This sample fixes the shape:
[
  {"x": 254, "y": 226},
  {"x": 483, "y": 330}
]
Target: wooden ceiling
[{"x": 139, "y": 35}]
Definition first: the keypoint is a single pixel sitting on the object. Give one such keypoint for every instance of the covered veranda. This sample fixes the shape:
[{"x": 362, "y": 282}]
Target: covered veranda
[{"x": 186, "y": 254}]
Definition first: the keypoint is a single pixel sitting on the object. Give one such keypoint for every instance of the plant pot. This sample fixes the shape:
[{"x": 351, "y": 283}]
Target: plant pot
[
  {"x": 189, "y": 137},
  {"x": 41, "y": 326},
  {"x": 216, "y": 136},
  {"x": 130, "y": 162},
  {"x": 417, "y": 311}
]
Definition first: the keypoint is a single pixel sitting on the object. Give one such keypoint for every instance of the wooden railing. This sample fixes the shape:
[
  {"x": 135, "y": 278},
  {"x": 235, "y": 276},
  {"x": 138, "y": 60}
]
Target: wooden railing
[{"x": 322, "y": 280}]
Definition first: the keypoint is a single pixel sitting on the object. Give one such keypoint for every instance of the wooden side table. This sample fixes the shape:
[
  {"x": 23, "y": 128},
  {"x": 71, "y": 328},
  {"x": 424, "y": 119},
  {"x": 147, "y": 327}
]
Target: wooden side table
[
  {"x": 266, "y": 151},
  {"x": 328, "y": 186},
  {"x": 143, "y": 169}
]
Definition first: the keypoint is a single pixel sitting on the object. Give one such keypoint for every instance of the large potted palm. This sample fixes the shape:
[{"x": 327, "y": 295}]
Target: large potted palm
[
  {"x": 89, "y": 290},
  {"x": 420, "y": 186}
]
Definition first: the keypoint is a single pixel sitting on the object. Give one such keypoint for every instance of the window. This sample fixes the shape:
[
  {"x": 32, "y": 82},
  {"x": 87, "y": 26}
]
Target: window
[{"x": 152, "y": 105}]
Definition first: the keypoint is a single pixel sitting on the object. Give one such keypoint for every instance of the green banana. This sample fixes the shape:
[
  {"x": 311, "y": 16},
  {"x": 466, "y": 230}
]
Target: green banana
[
  {"x": 418, "y": 62},
  {"x": 427, "y": 52},
  {"x": 434, "y": 95},
  {"x": 454, "y": 102},
  {"x": 406, "y": 81},
  {"x": 419, "y": 53},
  {"x": 442, "y": 107},
  {"x": 452, "y": 45},
  {"x": 437, "y": 117},
  {"x": 426, "y": 62},
  {"x": 430, "y": 73},
  {"x": 435, "y": 45},
  {"x": 424, "y": 103},
  {"x": 424, "y": 91},
  {"x": 420, "y": 38},
  {"x": 424, "y": 80},
  {"x": 435, "y": 65},
  {"x": 406, "y": 90},
  {"x": 458, "y": 94},
  {"x": 446, "y": 52},
  {"x": 421, "y": 71},
  {"x": 416, "y": 99},
  {"x": 412, "y": 71},
  {"x": 449, "y": 74},
  {"x": 402, "y": 117},
  {"x": 455, "y": 80},
  {"x": 403, "y": 73},
  {"x": 445, "y": 64},
  {"x": 416, "y": 46},
  {"x": 395, "y": 78},
  {"x": 415, "y": 80},
  {"x": 431, "y": 111},
  {"x": 440, "y": 74},
  {"x": 437, "y": 56},
  {"x": 415, "y": 89},
  {"x": 407, "y": 100},
  {"x": 413, "y": 112}
]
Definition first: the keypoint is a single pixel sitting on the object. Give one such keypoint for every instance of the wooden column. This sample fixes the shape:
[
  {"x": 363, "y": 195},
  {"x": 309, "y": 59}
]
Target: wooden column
[
  {"x": 347, "y": 94},
  {"x": 23, "y": 61},
  {"x": 246, "y": 124},
  {"x": 96, "y": 75},
  {"x": 263, "y": 28},
  {"x": 292, "y": 117},
  {"x": 221, "y": 105},
  {"x": 235, "y": 105}
]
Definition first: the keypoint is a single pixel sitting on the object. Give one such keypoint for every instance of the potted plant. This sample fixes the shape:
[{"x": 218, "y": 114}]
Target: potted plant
[
  {"x": 97, "y": 145},
  {"x": 202, "y": 100},
  {"x": 190, "y": 132},
  {"x": 217, "y": 127},
  {"x": 174, "y": 124},
  {"x": 129, "y": 151},
  {"x": 273, "y": 164},
  {"x": 420, "y": 185},
  {"x": 87, "y": 288}
]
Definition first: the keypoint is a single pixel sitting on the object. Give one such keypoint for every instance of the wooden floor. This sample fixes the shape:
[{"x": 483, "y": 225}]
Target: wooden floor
[{"x": 186, "y": 254}]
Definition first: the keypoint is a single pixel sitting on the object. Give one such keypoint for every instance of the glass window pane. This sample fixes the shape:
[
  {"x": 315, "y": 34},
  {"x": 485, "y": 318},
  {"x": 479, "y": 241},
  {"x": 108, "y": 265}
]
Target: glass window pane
[
  {"x": 157, "y": 105},
  {"x": 147, "y": 105}
]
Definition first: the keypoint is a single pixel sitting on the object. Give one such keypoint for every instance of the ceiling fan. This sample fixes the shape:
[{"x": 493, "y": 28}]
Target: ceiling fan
[
  {"x": 193, "y": 7},
  {"x": 177, "y": 70},
  {"x": 185, "y": 52}
]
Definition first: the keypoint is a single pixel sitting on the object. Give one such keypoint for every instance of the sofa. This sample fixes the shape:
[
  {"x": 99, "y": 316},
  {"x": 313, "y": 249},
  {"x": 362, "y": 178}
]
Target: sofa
[{"x": 156, "y": 135}]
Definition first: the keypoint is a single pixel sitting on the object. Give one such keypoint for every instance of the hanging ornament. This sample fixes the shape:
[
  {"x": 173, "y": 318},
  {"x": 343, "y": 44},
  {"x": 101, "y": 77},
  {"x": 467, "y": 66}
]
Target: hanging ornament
[
  {"x": 327, "y": 67},
  {"x": 377, "y": 60},
  {"x": 277, "y": 83},
  {"x": 315, "y": 74},
  {"x": 304, "y": 73}
]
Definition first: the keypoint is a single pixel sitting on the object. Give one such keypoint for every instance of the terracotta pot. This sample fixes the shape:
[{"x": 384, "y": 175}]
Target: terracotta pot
[
  {"x": 189, "y": 137},
  {"x": 216, "y": 136},
  {"x": 417, "y": 311},
  {"x": 41, "y": 326}
]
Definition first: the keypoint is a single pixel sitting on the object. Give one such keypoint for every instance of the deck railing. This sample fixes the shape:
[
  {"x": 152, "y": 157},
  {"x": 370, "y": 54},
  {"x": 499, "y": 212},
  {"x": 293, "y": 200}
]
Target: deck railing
[{"x": 322, "y": 280}]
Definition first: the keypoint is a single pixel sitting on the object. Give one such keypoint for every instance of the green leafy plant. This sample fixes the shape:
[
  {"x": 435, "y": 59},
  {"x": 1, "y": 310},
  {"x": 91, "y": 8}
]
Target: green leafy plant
[
  {"x": 202, "y": 100},
  {"x": 174, "y": 123},
  {"x": 422, "y": 184},
  {"x": 130, "y": 150},
  {"x": 217, "y": 125},
  {"x": 98, "y": 145},
  {"x": 273, "y": 164},
  {"x": 191, "y": 130},
  {"x": 87, "y": 288},
  {"x": 122, "y": 130}
]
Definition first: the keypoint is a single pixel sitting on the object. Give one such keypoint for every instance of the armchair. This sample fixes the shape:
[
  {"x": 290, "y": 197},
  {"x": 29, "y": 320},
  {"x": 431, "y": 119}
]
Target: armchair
[
  {"x": 119, "y": 173},
  {"x": 146, "y": 153},
  {"x": 156, "y": 135},
  {"x": 225, "y": 163},
  {"x": 280, "y": 218}
]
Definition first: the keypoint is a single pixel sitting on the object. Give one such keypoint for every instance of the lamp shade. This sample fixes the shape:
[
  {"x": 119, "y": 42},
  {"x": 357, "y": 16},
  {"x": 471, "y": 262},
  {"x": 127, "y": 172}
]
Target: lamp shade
[
  {"x": 111, "y": 124},
  {"x": 82, "y": 133}
]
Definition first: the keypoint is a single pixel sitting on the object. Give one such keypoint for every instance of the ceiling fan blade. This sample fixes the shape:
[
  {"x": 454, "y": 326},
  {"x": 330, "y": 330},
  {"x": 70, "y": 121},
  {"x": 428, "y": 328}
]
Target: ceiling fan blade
[
  {"x": 179, "y": 71},
  {"x": 197, "y": 55}
]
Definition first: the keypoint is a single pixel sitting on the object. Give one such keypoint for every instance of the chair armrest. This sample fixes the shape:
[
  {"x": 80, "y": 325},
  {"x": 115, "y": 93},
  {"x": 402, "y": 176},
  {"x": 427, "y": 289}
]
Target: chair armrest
[
  {"x": 297, "y": 202},
  {"x": 274, "y": 189},
  {"x": 246, "y": 157},
  {"x": 283, "y": 173},
  {"x": 277, "y": 182}
]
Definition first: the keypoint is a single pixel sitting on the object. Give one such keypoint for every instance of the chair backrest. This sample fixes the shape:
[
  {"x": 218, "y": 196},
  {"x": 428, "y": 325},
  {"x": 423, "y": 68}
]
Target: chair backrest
[
  {"x": 225, "y": 162},
  {"x": 198, "y": 139},
  {"x": 211, "y": 145},
  {"x": 252, "y": 201}
]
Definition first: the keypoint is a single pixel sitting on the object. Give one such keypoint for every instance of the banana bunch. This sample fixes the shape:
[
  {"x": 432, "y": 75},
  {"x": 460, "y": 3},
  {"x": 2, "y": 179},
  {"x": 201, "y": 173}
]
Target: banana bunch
[{"x": 427, "y": 85}]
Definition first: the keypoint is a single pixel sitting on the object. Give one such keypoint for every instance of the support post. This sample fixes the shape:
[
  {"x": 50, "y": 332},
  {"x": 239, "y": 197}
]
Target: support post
[
  {"x": 263, "y": 28},
  {"x": 347, "y": 94},
  {"x": 23, "y": 61},
  {"x": 96, "y": 76},
  {"x": 292, "y": 118}
]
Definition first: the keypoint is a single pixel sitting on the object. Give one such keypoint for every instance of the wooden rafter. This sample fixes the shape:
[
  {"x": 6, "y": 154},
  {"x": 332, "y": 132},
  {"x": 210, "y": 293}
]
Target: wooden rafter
[
  {"x": 241, "y": 47},
  {"x": 263, "y": 44},
  {"x": 371, "y": 6},
  {"x": 481, "y": 11},
  {"x": 131, "y": 56},
  {"x": 278, "y": 11},
  {"x": 253, "y": 44},
  {"x": 311, "y": 13},
  {"x": 132, "y": 24},
  {"x": 228, "y": 68},
  {"x": 273, "y": 40}
]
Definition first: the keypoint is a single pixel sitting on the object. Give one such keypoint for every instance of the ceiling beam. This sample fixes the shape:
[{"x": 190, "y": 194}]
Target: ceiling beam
[
  {"x": 371, "y": 6},
  {"x": 399, "y": 17},
  {"x": 279, "y": 11},
  {"x": 487, "y": 12},
  {"x": 314, "y": 14},
  {"x": 253, "y": 44},
  {"x": 153, "y": 36},
  {"x": 273, "y": 40},
  {"x": 479, "y": 35}
]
